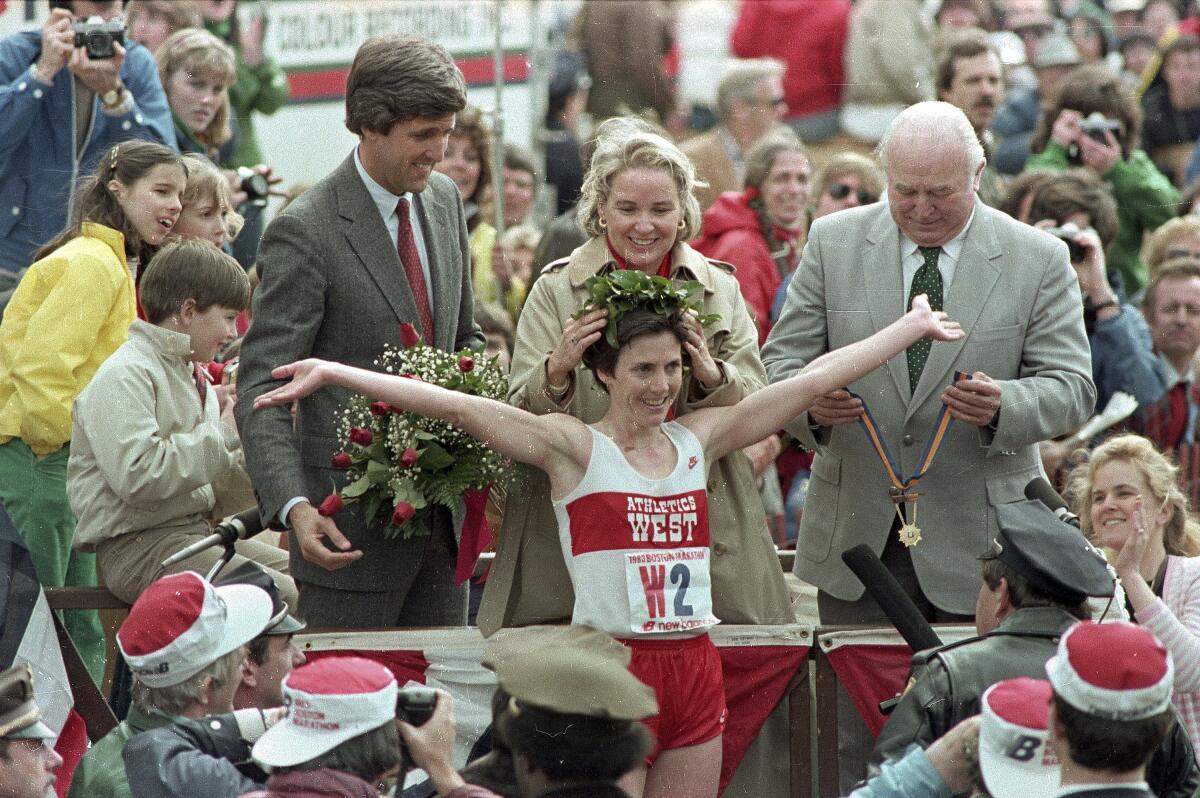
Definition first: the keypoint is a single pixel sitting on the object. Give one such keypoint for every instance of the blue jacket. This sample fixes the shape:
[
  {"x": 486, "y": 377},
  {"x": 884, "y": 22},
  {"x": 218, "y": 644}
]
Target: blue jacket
[
  {"x": 38, "y": 167},
  {"x": 1123, "y": 359}
]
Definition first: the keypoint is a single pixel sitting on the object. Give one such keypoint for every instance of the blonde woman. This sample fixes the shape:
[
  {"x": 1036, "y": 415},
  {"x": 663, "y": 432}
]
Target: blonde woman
[
  {"x": 1128, "y": 499},
  {"x": 197, "y": 69}
]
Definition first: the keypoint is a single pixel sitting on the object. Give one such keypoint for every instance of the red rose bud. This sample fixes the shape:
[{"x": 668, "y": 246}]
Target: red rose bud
[
  {"x": 333, "y": 503},
  {"x": 341, "y": 460},
  {"x": 401, "y": 513},
  {"x": 380, "y": 408},
  {"x": 409, "y": 335},
  {"x": 409, "y": 458},
  {"x": 466, "y": 363},
  {"x": 361, "y": 435}
]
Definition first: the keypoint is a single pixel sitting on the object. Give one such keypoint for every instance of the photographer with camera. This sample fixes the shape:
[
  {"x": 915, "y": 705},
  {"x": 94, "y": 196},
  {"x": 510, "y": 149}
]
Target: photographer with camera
[
  {"x": 1077, "y": 208},
  {"x": 1096, "y": 123},
  {"x": 67, "y": 94}
]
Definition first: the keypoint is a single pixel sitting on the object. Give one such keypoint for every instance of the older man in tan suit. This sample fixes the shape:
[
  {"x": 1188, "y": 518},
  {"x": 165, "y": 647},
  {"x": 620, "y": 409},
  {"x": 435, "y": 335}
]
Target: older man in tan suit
[{"x": 749, "y": 104}]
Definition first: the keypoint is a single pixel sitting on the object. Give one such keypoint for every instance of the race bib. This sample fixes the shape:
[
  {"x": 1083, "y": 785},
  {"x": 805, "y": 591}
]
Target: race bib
[{"x": 669, "y": 590}]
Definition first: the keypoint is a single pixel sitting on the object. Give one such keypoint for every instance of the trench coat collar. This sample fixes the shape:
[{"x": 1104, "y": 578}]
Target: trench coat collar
[{"x": 593, "y": 258}]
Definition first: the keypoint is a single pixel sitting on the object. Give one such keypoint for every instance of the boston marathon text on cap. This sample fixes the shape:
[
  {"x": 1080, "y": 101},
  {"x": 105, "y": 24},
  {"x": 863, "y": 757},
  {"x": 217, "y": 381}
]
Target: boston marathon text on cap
[
  {"x": 1015, "y": 755},
  {"x": 328, "y": 702},
  {"x": 1051, "y": 554},
  {"x": 1113, "y": 670},
  {"x": 181, "y": 624}
]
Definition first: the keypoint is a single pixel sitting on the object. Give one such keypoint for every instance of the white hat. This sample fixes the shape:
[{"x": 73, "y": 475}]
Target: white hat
[
  {"x": 328, "y": 702},
  {"x": 1113, "y": 670},
  {"x": 1015, "y": 754},
  {"x": 181, "y": 624}
]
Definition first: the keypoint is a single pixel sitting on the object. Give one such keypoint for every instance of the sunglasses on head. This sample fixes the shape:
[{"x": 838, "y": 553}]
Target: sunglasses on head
[{"x": 839, "y": 191}]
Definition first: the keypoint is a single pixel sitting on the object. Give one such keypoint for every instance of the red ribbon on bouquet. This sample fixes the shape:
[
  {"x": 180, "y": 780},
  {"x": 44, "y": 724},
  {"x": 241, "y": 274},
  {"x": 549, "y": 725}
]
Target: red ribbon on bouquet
[{"x": 476, "y": 534}]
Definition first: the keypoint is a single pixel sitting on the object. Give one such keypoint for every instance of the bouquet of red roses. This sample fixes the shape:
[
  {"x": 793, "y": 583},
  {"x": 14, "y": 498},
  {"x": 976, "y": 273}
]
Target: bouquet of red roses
[{"x": 402, "y": 464}]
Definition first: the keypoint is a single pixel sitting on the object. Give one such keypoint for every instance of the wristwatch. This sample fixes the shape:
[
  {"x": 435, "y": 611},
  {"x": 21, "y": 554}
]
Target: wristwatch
[{"x": 111, "y": 99}]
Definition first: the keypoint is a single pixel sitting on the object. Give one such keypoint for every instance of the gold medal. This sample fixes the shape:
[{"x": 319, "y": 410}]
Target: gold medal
[{"x": 910, "y": 535}]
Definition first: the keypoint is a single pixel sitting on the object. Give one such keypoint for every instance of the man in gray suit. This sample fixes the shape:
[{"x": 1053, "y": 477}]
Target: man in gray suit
[
  {"x": 1011, "y": 288},
  {"x": 380, "y": 241}
]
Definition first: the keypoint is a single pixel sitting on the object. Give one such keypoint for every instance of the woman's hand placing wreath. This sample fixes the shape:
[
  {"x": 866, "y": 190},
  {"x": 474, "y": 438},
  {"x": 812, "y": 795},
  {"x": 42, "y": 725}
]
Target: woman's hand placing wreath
[
  {"x": 577, "y": 336},
  {"x": 704, "y": 369}
]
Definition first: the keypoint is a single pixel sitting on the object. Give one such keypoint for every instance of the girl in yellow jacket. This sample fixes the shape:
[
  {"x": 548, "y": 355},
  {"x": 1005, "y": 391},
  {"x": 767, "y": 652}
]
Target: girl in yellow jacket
[{"x": 71, "y": 310}]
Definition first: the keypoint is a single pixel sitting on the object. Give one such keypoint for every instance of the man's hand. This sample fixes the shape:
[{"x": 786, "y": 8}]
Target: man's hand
[
  {"x": 955, "y": 756},
  {"x": 431, "y": 745},
  {"x": 101, "y": 75},
  {"x": 58, "y": 43},
  {"x": 973, "y": 401},
  {"x": 836, "y": 407},
  {"x": 312, "y": 530}
]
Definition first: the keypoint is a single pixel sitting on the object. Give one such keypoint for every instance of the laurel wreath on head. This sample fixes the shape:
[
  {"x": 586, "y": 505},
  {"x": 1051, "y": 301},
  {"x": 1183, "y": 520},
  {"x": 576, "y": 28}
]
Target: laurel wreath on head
[{"x": 623, "y": 290}]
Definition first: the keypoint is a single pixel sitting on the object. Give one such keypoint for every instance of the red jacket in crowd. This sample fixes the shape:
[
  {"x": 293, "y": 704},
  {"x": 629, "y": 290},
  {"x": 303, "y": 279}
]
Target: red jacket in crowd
[{"x": 806, "y": 35}]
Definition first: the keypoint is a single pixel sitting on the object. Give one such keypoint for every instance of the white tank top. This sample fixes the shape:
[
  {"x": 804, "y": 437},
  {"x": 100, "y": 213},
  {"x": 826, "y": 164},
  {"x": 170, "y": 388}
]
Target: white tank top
[{"x": 637, "y": 549}]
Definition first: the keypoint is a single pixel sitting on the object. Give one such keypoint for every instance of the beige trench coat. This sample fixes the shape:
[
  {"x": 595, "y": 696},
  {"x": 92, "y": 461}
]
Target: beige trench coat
[{"x": 528, "y": 583}]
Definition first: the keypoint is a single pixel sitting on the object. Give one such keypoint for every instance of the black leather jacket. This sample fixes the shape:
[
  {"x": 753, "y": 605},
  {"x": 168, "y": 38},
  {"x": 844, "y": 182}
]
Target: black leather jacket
[{"x": 948, "y": 682}]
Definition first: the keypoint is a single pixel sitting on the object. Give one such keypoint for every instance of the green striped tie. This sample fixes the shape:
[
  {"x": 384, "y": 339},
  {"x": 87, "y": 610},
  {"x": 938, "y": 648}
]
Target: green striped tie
[{"x": 927, "y": 280}]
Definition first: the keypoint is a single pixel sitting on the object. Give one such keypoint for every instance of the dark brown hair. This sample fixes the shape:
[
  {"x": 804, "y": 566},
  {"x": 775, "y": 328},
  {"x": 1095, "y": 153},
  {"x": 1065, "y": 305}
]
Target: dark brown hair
[
  {"x": 397, "y": 78},
  {"x": 1077, "y": 191},
  {"x": 1086, "y": 90},
  {"x": 1111, "y": 746},
  {"x": 956, "y": 46},
  {"x": 471, "y": 126},
  {"x": 127, "y": 163},
  {"x": 1020, "y": 187},
  {"x": 196, "y": 270},
  {"x": 601, "y": 356}
]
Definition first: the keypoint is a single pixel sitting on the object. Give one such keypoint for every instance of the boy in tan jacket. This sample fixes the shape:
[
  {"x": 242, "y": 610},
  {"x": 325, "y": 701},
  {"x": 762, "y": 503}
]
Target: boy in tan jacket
[{"x": 155, "y": 452}]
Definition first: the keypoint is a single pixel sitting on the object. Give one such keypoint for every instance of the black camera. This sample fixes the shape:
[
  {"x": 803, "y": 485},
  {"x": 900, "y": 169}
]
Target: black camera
[
  {"x": 1067, "y": 233},
  {"x": 415, "y": 705},
  {"x": 255, "y": 185},
  {"x": 98, "y": 36}
]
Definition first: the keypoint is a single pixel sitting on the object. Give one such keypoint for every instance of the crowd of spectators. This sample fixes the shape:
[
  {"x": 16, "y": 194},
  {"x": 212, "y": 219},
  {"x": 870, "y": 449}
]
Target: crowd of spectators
[{"x": 134, "y": 242}]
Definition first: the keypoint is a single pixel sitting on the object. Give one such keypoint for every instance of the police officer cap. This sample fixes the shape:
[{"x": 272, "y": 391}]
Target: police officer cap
[
  {"x": 573, "y": 681},
  {"x": 1051, "y": 554},
  {"x": 515, "y": 642},
  {"x": 249, "y": 573},
  {"x": 20, "y": 718}
]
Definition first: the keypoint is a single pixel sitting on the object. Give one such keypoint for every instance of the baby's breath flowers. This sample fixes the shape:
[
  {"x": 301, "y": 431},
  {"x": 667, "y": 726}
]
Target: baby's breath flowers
[{"x": 401, "y": 464}]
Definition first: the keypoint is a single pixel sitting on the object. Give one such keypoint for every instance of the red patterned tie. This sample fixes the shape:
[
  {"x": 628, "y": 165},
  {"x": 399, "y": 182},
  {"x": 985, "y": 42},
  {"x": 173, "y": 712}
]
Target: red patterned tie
[{"x": 407, "y": 248}]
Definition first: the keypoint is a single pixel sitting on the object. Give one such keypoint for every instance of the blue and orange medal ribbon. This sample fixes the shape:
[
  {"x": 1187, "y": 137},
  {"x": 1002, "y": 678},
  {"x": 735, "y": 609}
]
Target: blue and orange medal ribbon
[{"x": 904, "y": 490}]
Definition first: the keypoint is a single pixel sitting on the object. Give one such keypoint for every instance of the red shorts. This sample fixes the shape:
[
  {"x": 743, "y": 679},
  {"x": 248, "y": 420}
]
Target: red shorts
[{"x": 687, "y": 681}]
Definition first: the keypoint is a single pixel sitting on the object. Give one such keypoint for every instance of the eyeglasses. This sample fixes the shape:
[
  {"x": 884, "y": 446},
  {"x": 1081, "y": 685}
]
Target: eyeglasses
[{"x": 839, "y": 191}]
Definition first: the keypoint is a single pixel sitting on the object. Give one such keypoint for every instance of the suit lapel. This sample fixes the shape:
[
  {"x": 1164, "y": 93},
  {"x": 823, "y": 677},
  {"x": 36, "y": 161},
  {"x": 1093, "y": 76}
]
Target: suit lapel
[
  {"x": 885, "y": 286},
  {"x": 369, "y": 240},
  {"x": 974, "y": 278}
]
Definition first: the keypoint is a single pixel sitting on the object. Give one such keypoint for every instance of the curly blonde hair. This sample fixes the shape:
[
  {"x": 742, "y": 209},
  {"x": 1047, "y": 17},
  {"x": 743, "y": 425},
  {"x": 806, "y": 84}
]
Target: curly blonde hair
[
  {"x": 625, "y": 143},
  {"x": 1181, "y": 535}
]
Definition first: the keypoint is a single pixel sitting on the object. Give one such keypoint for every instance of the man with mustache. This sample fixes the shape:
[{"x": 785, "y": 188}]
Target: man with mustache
[{"x": 970, "y": 75}]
